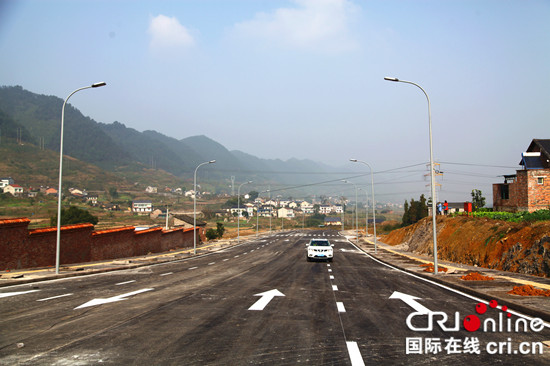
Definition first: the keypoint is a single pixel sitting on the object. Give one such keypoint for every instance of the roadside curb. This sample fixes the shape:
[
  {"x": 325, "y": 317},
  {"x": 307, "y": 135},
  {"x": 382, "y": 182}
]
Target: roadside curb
[{"x": 440, "y": 279}]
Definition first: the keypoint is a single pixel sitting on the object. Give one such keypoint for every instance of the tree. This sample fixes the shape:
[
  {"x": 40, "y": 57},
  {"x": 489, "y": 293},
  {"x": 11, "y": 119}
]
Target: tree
[
  {"x": 478, "y": 201},
  {"x": 415, "y": 211},
  {"x": 113, "y": 192},
  {"x": 252, "y": 195},
  {"x": 74, "y": 215},
  {"x": 220, "y": 229}
]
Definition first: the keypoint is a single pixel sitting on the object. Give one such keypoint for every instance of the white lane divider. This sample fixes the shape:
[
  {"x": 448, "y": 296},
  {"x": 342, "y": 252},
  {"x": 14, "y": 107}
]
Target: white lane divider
[
  {"x": 354, "y": 354},
  {"x": 54, "y": 297},
  {"x": 124, "y": 283},
  {"x": 334, "y": 288},
  {"x": 193, "y": 268},
  {"x": 340, "y": 306},
  {"x": 166, "y": 274}
]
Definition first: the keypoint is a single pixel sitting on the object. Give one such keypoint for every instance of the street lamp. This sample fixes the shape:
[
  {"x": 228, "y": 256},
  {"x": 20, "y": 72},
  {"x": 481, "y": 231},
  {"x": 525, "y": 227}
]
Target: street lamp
[
  {"x": 59, "y": 195},
  {"x": 195, "y": 204},
  {"x": 432, "y": 172},
  {"x": 373, "y": 200},
  {"x": 356, "y": 224},
  {"x": 239, "y": 209}
]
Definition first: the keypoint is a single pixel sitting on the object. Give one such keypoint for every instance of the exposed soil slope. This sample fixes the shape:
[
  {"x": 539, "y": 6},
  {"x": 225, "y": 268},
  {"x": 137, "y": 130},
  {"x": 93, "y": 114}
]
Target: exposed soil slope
[{"x": 508, "y": 246}]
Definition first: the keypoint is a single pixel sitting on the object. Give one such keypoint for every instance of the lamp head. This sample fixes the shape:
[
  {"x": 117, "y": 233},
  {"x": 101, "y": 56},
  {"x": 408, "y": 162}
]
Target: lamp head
[
  {"x": 211, "y": 161},
  {"x": 97, "y": 85},
  {"x": 354, "y": 160},
  {"x": 391, "y": 79}
]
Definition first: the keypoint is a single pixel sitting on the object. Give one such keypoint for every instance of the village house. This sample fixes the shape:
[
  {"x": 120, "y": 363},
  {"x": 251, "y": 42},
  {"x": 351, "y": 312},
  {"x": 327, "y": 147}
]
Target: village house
[
  {"x": 14, "y": 189},
  {"x": 51, "y": 191},
  {"x": 4, "y": 182},
  {"x": 265, "y": 211},
  {"x": 150, "y": 189},
  {"x": 239, "y": 211},
  {"x": 142, "y": 207},
  {"x": 333, "y": 221},
  {"x": 92, "y": 199},
  {"x": 286, "y": 213},
  {"x": 307, "y": 207},
  {"x": 529, "y": 188}
]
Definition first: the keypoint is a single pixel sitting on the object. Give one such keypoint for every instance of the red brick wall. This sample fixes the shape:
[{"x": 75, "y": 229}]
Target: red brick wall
[
  {"x": 147, "y": 241},
  {"x": 75, "y": 242},
  {"x": 539, "y": 194},
  {"x": 525, "y": 194},
  {"x": 13, "y": 233},
  {"x": 23, "y": 248},
  {"x": 113, "y": 243}
]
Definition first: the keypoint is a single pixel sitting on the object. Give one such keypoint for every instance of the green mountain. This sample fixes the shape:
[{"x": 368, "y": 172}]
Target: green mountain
[
  {"x": 41, "y": 116},
  {"x": 129, "y": 153}
]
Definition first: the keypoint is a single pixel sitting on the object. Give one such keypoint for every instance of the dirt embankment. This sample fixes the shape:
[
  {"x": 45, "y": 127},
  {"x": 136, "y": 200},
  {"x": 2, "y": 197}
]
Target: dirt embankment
[{"x": 514, "y": 247}]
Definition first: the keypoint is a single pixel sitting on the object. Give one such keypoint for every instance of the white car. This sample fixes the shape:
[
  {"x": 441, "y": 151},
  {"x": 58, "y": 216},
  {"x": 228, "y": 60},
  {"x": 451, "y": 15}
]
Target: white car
[{"x": 319, "y": 249}]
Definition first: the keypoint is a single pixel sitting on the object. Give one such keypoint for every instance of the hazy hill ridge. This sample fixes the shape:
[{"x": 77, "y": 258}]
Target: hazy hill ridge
[{"x": 113, "y": 145}]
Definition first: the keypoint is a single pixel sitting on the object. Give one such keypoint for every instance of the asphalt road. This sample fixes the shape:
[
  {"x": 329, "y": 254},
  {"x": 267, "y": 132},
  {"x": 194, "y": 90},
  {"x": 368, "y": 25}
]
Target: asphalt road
[{"x": 258, "y": 303}]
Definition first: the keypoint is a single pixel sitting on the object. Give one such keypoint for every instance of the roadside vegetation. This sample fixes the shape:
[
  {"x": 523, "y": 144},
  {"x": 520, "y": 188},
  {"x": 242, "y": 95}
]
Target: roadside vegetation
[{"x": 540, "y": 215}]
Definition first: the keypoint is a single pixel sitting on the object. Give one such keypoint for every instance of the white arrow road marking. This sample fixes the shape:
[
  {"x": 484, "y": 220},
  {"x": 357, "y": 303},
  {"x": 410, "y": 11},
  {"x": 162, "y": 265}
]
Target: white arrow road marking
[
  {"x": 8, "y": 294},
  {"x": 266, "y": 297},
  {"x": 95, "y": 302},
  {"x": 411, "y": 301}
]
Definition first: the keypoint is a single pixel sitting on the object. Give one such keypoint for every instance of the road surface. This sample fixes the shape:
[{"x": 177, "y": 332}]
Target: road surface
[{"x": 260, "y": 303}]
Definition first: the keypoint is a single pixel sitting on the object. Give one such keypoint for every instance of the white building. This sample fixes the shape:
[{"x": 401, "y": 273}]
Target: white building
[
  {"x": 286, "y": 213},
  {"x": 14, "y": 189},
  {"x": 142, "y": 207}
]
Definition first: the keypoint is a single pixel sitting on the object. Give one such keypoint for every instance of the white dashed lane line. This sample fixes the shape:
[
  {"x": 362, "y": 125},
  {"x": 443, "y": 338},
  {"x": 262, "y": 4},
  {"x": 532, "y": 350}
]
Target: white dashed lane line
[
  {"x": 166, "y": 274},
  {"x": 54, "y": 297},
  {"x": 125, "y": 283}
]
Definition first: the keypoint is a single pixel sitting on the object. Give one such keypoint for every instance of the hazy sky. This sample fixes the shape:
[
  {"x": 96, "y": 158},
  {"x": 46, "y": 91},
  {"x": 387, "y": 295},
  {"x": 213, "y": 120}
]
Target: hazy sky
[{"x": 304, "y": 78}]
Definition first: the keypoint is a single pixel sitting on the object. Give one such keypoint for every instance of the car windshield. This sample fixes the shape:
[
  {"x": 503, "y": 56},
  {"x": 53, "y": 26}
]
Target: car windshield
[{"x": 320, "y": 243}]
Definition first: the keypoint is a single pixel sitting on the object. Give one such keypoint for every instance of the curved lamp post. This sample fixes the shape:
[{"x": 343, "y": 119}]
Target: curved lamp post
[
  {"x": 356, "y": 224},
  {"x": 432, "y": 172},
  {"x": 59, "y": 193},
  {"x": 195, "y": 204},
  {"x": 373, "y": 200},
  {"x": 239, "y": 209}
]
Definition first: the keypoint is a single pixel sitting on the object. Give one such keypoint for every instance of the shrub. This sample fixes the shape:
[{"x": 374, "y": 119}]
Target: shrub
[
  {"x": 74, "y": 215},
  {"x": 211, "y": 234}
]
